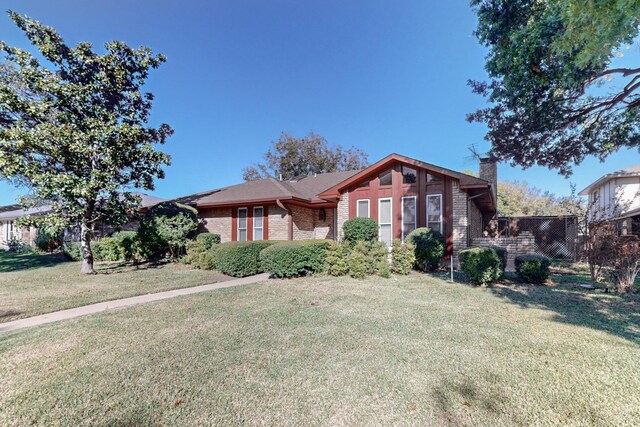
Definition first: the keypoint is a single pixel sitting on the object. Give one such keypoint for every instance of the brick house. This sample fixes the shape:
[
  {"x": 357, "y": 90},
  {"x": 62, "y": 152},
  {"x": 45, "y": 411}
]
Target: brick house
[{"x": 399, "y": 192}]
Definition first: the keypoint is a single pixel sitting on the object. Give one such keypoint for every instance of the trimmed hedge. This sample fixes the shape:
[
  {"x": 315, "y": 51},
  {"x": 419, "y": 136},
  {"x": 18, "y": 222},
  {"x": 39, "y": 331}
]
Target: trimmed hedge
[
  {"x": 482, "y": 265},
  {"x": 532, "y": 268},
  {"x": 72, "y": 251},
  {"x": 430, "y": 248},
  {"x": 207, "y": 240},
  {"x": 122, "y": 246},
  {"x": 295, "y": 258},
  {"x": 240, "y": 259},
  {"x": 403, "y": 257},
  {"x": 360, "y": 230},
  {"x": 337, "y": 259}
]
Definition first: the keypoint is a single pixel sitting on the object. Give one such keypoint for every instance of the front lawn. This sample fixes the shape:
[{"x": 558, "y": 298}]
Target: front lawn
[
  {"x": 32, "y": 284},
  {"x": 322, "y": 351}
]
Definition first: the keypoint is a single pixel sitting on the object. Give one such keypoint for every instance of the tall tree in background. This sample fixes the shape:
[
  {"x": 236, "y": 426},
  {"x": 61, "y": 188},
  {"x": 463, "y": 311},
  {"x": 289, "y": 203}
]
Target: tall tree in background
[
  {"x": 516, "y": 198},
  {"x": 557, "y": 90},
  {"x": 291, "y": 157},
  {"x": 75, "y": 130}
]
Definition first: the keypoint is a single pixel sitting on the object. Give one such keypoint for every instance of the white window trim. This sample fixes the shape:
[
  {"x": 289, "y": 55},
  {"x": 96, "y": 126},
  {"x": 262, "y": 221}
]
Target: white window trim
[
  {"x": 439, "y": 195},
  {"x": 368, "y": 207},
  {"x": 380, "y": 200},
  {"x": 254, "y": 222},
  {"x": 246, "y": 216},
  {"x": 415, "y": 218}
]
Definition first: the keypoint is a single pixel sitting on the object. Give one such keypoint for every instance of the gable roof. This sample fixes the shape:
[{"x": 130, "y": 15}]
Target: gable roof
[
  {"x": 269, "y": 189},
  {"x": 466, "y": 181},
  {"x": 622, "y": 173}
]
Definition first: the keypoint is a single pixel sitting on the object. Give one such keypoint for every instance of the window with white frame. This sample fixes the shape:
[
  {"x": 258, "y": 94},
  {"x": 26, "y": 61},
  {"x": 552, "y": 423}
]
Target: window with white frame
[
  {"x": 242, "y": 224},
  {"x": 363, "y": 209},
  {"x": 434, "y": 212},
  {"x": 258, "y": 221},
  {"x": 384, "y": 221},
  {"x": 409, "y": 215}
]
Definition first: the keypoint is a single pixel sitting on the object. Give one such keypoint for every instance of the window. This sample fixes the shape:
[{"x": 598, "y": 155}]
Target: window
[
  {"x": 258, "y": 220},
  {"x": 433, "y": 178},
  {"x": 409, "y": 175},
  {"x": 363, "y": 209},
  {"x": 386, "y": 177},
  {"x": 364, "y": 184},
  {"x": 434, "y": 212},
  {"x": 242, "y": 224},
  {"x": 409, "y": 216},
  {"x": 384, "y": 221}
]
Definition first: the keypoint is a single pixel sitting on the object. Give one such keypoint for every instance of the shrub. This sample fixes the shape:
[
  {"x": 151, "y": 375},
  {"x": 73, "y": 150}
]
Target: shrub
[
  {"x": 122, "y": 246},
  {"x": 502, "y": 254},
  {"x": 360, "y": 230},
  {"x": 403, "y": 257},
  {"x": 165, "y": 228},
  {"x": 240, "y": 259},
  {"x": 383, "y": 269},
  {"x": 532, "y": 268},
  {"x": 359, "y": 263},
  {"x": 207, "y": 240},
  {"x": 106, "y": 249},
  {"x": 481, "y": 265},
  {"x": 47, "y": 242},
  {"x": 72, "y": 251},
  {"x": 379, "y": 258},
  {"x": 430, "y": 248},
  {"x": 337, "y": 259},
  {"x": 205, "y": 260},
  {"x": 625, "y": 264},
  {"x": 297, "y": 258},
  {"x": 14, "y": 245}
]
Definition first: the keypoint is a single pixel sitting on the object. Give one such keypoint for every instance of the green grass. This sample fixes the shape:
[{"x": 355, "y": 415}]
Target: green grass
[
  {"x": 405, "y": 351},
  {"x": 32, "y": 284}
]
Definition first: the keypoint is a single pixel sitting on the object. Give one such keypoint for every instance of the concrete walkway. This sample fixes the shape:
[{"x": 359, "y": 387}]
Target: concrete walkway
[{"x": 125, "y": 302}]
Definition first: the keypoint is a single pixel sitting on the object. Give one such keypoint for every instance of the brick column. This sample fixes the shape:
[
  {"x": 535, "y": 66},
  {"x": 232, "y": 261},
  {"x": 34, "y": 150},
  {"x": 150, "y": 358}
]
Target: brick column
[
  {"x": 460, "y": 224},
  {"x": 343, "y": 213}
]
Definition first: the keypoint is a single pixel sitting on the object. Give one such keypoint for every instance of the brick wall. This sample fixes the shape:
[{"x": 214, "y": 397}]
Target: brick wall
[
  {"x": 303, "y": 228},
  {"x": 342, "y": 213},
  {"x": 460, "y": 220},
  {"x": 475, "y": 221},
  {"x": 278, "y": 223},
  {"x": 524, "y": 244},
  {"x": 217, "y": 220}
]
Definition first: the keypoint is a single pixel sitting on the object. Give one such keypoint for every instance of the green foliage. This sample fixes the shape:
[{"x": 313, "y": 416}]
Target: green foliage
[
  {"x": 337, "y": 259},
  {"x": 47, "y": 242},
  {"x": 122, "y": 246},
  {"x": 503, "y": 255},
  {"x": 360, "y": 230},
  {"x": 359, "y": 263},
  {"x": 72, "y": 251},
  {"x": 430, "y": 248},
  {"x": 165, "y": 228},
  {"x": 292, "y": 157},
  {"x": 532, "y": 268},
  {"x": 481, "y": 265},
  {"x": 208, "y": 239},
  {"x": 517, "y": 198},
  {"x": 558, "y": 93},
  {"x": 240, "y": 259},
  {"x": 74, "y": 129},
  {"x": 14, "y": 244},
  {"x": 403, "y": 257},
  {"x": 296, "y": 258}
]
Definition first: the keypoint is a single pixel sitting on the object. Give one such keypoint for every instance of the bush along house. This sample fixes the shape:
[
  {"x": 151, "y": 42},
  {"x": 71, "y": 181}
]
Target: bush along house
[{"x": 399, "y": 192}]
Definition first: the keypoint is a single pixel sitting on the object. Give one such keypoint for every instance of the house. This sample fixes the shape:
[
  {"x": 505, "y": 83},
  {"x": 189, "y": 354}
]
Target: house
[
  {"x": 399, "y": 192},
  {"x": 616, "y": 197},
  {"x": 27, "y": 235}
]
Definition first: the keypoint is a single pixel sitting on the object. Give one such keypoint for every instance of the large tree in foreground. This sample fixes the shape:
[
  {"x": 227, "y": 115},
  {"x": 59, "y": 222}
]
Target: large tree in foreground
[
  {"x": 558, "y": 89},
  {"x": 291, "y": 157},
  {"x": 75, "y": 129}
]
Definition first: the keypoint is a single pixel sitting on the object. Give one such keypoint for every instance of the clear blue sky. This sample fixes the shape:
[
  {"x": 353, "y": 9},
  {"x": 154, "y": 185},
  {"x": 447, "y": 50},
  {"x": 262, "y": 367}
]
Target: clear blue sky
[{"x": 382, "y": 76}]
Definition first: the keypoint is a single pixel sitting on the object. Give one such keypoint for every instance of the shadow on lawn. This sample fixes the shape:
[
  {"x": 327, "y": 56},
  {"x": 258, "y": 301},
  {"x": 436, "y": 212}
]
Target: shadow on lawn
[
  {"x": 13, "y": 261},
  {"x": 614, "y": 314}
]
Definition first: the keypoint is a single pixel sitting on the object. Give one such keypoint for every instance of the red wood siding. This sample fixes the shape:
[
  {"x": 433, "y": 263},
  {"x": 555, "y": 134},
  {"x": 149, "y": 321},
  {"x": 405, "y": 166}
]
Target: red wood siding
[{"x": 397, "y": 190}]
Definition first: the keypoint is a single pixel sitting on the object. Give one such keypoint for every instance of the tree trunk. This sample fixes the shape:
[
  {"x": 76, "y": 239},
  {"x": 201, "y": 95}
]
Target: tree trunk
[{"x": 85, "y": 247}]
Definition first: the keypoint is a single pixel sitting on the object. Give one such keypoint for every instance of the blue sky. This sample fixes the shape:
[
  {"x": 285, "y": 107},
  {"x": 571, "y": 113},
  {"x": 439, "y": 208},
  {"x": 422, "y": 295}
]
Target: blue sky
[{"x": 382, "y": 76}]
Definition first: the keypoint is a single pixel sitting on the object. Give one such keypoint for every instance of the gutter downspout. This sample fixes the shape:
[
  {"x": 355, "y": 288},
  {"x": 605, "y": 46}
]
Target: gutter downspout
[{"x": 290, "y": 216}]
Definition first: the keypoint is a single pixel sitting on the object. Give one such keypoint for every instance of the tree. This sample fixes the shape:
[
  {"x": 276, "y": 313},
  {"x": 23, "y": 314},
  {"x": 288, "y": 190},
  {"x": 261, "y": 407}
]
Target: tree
[
  {"x": 517, "y": 198},
  {"x": 556, "y": 93},
  {"x": 291, "y": 157},
  {"x": 76, "y": 129}
]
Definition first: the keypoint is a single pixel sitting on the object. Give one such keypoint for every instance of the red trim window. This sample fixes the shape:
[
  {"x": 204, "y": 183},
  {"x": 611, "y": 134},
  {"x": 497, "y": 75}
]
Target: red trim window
[
  {"x": 258, "y": 223},
  {"x": 242, "y": 224}
]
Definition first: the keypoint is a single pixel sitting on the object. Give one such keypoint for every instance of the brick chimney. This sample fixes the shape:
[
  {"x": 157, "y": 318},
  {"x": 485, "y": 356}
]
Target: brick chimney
[{"x": 489, "y": 172}]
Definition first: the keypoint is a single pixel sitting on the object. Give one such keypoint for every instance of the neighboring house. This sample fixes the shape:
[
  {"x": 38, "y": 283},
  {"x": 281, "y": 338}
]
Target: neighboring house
[
  {"x": 616, "y": 197},
  {"x": 27, "y": 235},
  {"x": 399, "y": 192}
]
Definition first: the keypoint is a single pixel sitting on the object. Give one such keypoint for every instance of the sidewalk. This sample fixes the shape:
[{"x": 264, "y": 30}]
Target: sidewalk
[{"x": 124, "y": 302}]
